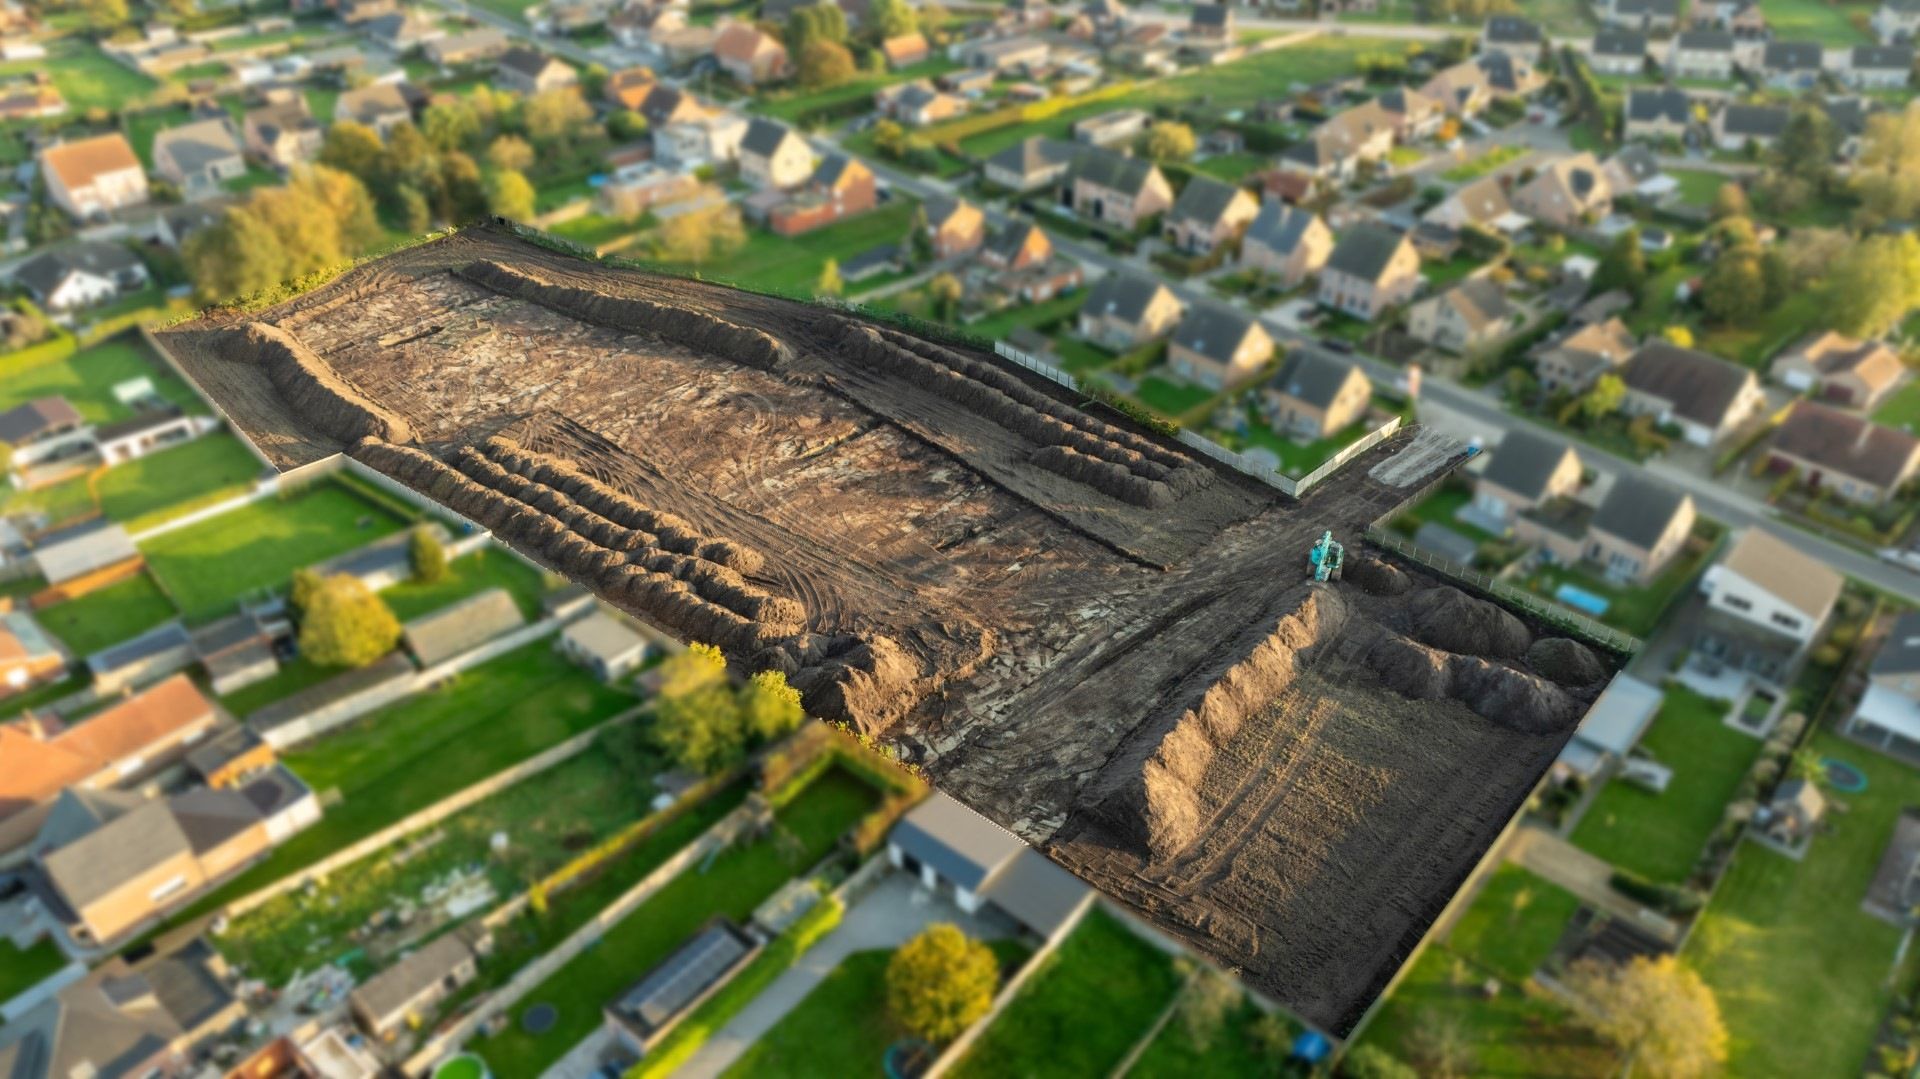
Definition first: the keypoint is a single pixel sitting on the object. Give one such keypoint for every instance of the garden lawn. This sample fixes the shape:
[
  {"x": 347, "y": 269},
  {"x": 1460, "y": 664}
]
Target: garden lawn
[
  {"x": 23, "y": 968},
  {"x": 158, "y": 487},
  {"x": 1901, "y": 409},
  {"x": 1079, "y": 1015},
  {"x": 1442, "y": 508},
  {"x": 1795, "y": 20},
  {"x": 1634, "y": 609},
  {"x": 841, "y": 1028},
  {"x": 1660, "y": 836},
  {"x": 1171, "y": 399},
  {"x": 423, "y": 748},
  {"x": 1698, "y": 188},
  {"x": 798, "y": 107},
  {"x": 86, "y": 378},
  {"x": 1232, "y": 168},
  {"x": 107, "y": 616},
  {"x": 733, "y": 884},
  {"x": 1492, "y": 159},
  {"x": 45, "y": 694},
  {"x": 1513, "y": 924},
  {"x": 86, "y": 77},
  {"x": 1298, "y": 458},
  {"x": 1173, "y": 1054},
  {"x": 1799, "y": 969},
  {"x": 791, "y": 265},
  {"x": 207, "y": 567},
  {"x": 1057, "y": 312},
  {"x": 488, "y": 567}
]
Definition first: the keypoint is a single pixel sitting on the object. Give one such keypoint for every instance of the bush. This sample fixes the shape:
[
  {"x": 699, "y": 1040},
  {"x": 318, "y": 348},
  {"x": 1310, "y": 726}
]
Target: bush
[
  {"x": 427, "y": 554},
  {"x": 1665, "y": 898},
  {"x": 346, "y": 625},
  {"x": 941, "y": 982},
  {"x": 1373, "y": 1062}
]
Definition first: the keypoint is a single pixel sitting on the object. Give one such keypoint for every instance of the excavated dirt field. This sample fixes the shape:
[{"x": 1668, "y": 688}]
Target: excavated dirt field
[{"x": 1090, "y": 634}]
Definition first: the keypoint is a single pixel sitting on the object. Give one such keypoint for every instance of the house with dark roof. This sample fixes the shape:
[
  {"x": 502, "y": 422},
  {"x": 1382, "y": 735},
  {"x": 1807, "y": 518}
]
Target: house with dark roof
[
  {"x": 42, "y": 428},
  {"x": 1472, "y": 315},
  {"x": 1738, "y": 126},
  {"x": 1218, "y": 346},
  {"x": 1888, "y": 714},
  {"x": 1843, "y": 453},
  {"x": 1414, "y": 114},
  {"x": 198, "y": 157},
  {"x": 1792, "y": 65},
  {"x": 1877, "y": 67},
  {"x": 1701, "y": 54},
  {"x": 81, "y": 274},
  {"x": 1335, "y": 149},
  {"x": 1483, "y": 202},
  {"x": 1615, "y": 51},
  {"x": 774, "y": 155},
  {"x": 643, "y": 1015},
  {"x": 1211, "y": 22},
  {"x": 1512, "y": 36},
  {"x": 840, "y": 187},
  {"x": 1766, "y": 603},
  {"x": 955, "y": 227},
  {"x": 1124, "y": 311},
  {"x": 1115, "y": 128},
  {"x": 1571, "y": 362},
  {"x": 381, "y": 106},
  {"x": 1525, "y": 470},
  {"x": 1657, "y": 113},
  {"x": 1470, "y": 86},
  {"x": 283, "y": 133},
  {"x": 1372, "y": 268},
  {"x": 1019, "y": 261},
  {"x": 918, "y": 103},
  {"x": 529, "y": 71},
  {"x": 1030, "y": 164},
  {"x": 1646, "y": 16},
  {"x": 1209, "y": 214},
  {"x": 1639, "y": 528},
  {"x": 956, "y": 851},
  {"x": 1115, "y": 189},
  {"x": 83, "y": 550},
  {"x": 1897, "y": 21},
  {"x": 1288, "y": 243},
  {"x": 1705, "y": 396},
  {"x": 1840, "y": 370},
  {"x": 1315, "y": 395},
  {"x": 1567, "y": 193}
]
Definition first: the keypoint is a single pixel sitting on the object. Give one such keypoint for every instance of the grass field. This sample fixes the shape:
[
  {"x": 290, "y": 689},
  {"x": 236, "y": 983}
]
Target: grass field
[
  {"x": 1485, "y": 163},
  {"x": 1901, "y": 409},
  {"x": 1660, "y": 836},
  {"x": 741, "y": 878},
  {"x": 1801, "y": 972},
  {"x": 208, "y": 566},
  {"x": 1631, "y": 608},
  {"x": 792, "y": 264},
  {"x": 794, "y": 107},
  {"x": 1798, "y": 20},
  {"x": 1697, "y": 188},
  {"x": 1232, "y": 1050},
  {"x": 108, "y": 616},
  {"x": 155, "y": 488},
  {"x": 1513, "y": 924},
  {"x": 1080, "y": 1014},
  {"x": 23, "y": 968},
  {"x": 85, "y": 76},
  {"x": 86, "y": 378},
  {"x": 468, "y": 575}
]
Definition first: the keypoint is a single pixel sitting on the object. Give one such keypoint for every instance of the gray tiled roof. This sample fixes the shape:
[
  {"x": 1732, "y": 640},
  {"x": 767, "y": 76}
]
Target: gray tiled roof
[
  {"x": 1280, "y": 227},
  {"x": 1203, "y": 201},
  {"x": 1792, "y": 56},
  {"x": 1365, "y": 250},
  {"x": 1123, "y": 295},
  {"x": 1900, "y": 654},
  {"x": 1616, "y": 42},
  {"x": 1213, "y": 330},
  {"x": 1638, "y": 509},
  {"x": 960, "y": 844},
  {"x": 1510, "y": 29},
  {"x": 1116, "y": 172},
  {"x": 763, "y": 137},
  {"x": 1755, "y": 121},
  {"x": 1524, "y": 461},
  {"x": 1312, "y": 376},
  {"x": 1704, "y": 41},
  {"x": 1032, "y": 154},
  {"x": 1700, "y": 387},
  {"x": 1666, "y": 103},
  {"x": 1882, "y": 57}
]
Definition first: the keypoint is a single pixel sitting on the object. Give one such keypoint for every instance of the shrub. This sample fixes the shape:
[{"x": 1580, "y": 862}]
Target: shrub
[
  {"x": 940, "y": 982},
  {"x": 346, "y": 625},
  {"x": 427, "y": 554}
]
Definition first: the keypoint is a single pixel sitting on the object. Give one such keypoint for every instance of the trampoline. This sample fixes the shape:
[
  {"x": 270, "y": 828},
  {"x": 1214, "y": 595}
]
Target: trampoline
[
  {"x": 1844, "y": 777},
  {"x": 539, "y": 1019}
]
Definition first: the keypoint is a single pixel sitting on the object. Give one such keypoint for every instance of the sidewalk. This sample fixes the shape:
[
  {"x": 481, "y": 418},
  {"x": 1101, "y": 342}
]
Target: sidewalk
[{"x": 1585, "y": 876}]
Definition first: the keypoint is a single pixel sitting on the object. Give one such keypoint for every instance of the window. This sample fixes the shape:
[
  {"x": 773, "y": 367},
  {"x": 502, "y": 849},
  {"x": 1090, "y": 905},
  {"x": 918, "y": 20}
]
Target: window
[
  {"x": 1739, "y": 603},
  {"x": 168, "y": 887},
  {"x": 1786, "y": 621}
]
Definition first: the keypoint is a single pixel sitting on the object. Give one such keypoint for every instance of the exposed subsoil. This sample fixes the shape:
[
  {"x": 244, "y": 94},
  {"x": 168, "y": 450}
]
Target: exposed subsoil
[{"x": 1087, "y": 632}]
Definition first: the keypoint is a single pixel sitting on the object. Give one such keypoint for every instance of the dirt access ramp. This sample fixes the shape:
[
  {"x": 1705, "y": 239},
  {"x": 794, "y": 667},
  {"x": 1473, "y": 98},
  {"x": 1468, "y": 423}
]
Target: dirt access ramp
[{"x": 1092, "y": 635}]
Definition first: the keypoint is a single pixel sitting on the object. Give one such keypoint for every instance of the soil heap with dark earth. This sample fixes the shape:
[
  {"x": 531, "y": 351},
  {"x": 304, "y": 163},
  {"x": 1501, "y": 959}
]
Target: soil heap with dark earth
[{"x": 1092, "y": 635}]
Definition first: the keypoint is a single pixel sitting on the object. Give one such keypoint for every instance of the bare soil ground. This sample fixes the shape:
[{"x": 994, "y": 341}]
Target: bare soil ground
[{"x": 1092, "y": 636}]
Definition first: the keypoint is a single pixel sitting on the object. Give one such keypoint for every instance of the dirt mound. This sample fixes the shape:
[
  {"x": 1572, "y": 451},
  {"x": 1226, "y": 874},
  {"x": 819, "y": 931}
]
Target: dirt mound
[
  {"x": 683, "y": 326},
  {"x": 1565, "y": 661},
  {"x": 1524, "y": 702},
  {"x": 1410, "y": 668},
  {"x": 312, "y": 388},
  {"x": 1376, "y": 577},
  {"x": 1451, "y": 620}
]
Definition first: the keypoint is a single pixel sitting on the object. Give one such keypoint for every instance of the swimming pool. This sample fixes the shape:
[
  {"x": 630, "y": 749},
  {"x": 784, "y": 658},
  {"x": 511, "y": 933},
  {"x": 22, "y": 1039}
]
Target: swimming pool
[{"x": 1582, "y": 600}]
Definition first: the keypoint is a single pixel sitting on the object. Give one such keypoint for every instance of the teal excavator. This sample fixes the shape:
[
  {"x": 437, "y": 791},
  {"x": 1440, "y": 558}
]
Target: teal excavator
[{"x": 1325, "y": 558}]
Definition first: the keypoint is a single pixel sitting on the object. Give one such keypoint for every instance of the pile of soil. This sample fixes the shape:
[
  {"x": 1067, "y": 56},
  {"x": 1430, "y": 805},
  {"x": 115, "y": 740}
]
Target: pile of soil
[
  {"x": 1453, "y": 621},
  {"x": 311, "y": 387},
  {"x": 1565, "y": 661},
  {"x": 1376, "y": 577}
]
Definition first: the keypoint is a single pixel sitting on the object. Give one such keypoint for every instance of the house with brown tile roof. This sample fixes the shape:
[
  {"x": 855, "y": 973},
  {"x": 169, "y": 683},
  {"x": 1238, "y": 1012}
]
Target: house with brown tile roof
[
  {"x": 749, "y": 56},
  {"x": 630, "y": 87},
  {"x": 1572, "y": 363},
  {"x": 1567, "y": 193},
  {"x": 905, "y": 50},
  {"x": 1705, "y": 396},
  {"x": 1845, "y": 454},
  {"x": 91, "y": 177},
  {"x": 1766, "y": 603},
  {"x": 1208, "y": 214},
  {"x": 1840, "y": 370}
]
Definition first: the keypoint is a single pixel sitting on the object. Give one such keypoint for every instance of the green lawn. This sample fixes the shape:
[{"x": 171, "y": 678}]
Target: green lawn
[
  {"x": 792, "y": 264},
  {"x": 1634, "y": 609},
  {"x": 1794, "y": 20},
  {"x": 1172, "y": 399},
  {"x": 488, "y": 567},
  {"x": 85, "y": 76},
  {"x": 42, "y": 695},
  {"x": 1232, "y": 1050},
  {"x": 1080, "y": 1014},
  {"x": 1901, "y": 409},
  {"x": 1058, "y": 311},
  {"x": 86, "y": 378},
  {"x": 1513, "y": 924},
  {"x": 291, "y": 678},
  {"x": 208, "y": 566},
  {"x": 22, "y": 969},
  {"x": 1485, "y": 163},
  {"x": 1800, "y": 970},
  {"x": 1697, "y": 188},
  {"x": 733, "y": 884},
  {"x": 155, "y": 488},
  {"x": 419, "y": 750},
  {"x": 1442, "y": 508},
  {"x": 794, "y": 107},
  {"x": 1232, "y": 168},
  {"x": 1660, "y": 836},
  {"x": 107, "y": 616},
  {"x": 1296, "y": 458}
]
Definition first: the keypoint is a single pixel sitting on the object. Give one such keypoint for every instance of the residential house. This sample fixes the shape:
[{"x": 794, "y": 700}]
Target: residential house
[
  {"x": 839, "y": 188},
  {"x": 74, "y": 559},
  {"x": 404, "y": 994},
  {"x": 1878, "y": 67},
  {"x": 228, "y": 759},
  {"x": 630, "y": 87},
  {"x": 1372, "y": 268},
  {"x": 150, "y": 429},
  {"x": 199, "y": 157},
  {"x": 1007, "y": 55},
  {"x": 28, "y": 655},
  {"x": 1471, "y": 85},
  {"x": 93, "y": 177},
  {"x": 403, "y": 31},
  {"x": 1888, "y": 714},
  {"x": 1744, "y": 19},
  {"x": 1289, "y": 243},
  {"x": 1566, "y": 194},
  {"x": 638, "y": 26},
  {"x": 1209, "y": 214},
  {"x": 1110, "y": 129},
  {"x": 1030, "y": 164},
  {"x": 1843, "y": 453},
  {"x": 905, "y": 50},
  {"x": 1635, "y": 170},
  {"x": 284, "y": 134},
  {"x": 381, "y": 106},
  {"x": 1618, "y": 52},
  {"x": 1849, "y": 118},
  {"x": 81, "y": 274},
  {"x": 955, "y": 226},
  {"x": 711, "y": 137},
  {"x": 1210, "y": 22},
  {"x": 1468, "y": 317},
  {"x": 1414, "y": 114},
  {"x": 1315, "y": 395},
  {"x": 1335, "y": 149},
  {"x": 1765, "y": 605},
  {"x": 1646, "y": 16},
  {"x": 41, "y": 429},
  {"x": 1114, "y": 189},
  {"x": 1840, "y": 370},
  {"x": 1610, "y": 730},
  {"x": 918, "y": 103},
  {"x": 1739, "y": 126},
  {"x": 530, "y": 71},
  {"x": 1124, "y": 311},
  {"x": 1639, "y": 528},
  {"x": 461, "y": 627},
  {"x": 955, "y": 850},
  {"x": 1023, "y": 263},
  {"x": 1701, "y": 54},
  {"x": 603, "y": 645},
  {"x": 467, "y": 47},
  {"x": 1897, "y": 21},
  {"x": 1792, "y": 65},
  {"x": 1523, "y": 472},
  {"x": 1482, "y": 202},
  {"x": 750, "y": 56},
  {"x": 664, "y": 106},
  {"x": 1705, "y": 396},
  {"x": 773, "y": 155},
  {"x": 31, "y": 101},
  {"x": 1218, "y": 346},
  {"x": 1657, "y": 113},
  {"x": 1572, "y": 363},
  {"x": 1510, "y": 35},
  {"x": 238, "y": 651}
]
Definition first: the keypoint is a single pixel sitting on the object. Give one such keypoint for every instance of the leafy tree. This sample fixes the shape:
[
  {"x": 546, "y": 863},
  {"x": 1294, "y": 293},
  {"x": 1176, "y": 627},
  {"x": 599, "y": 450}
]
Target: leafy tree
[
  {"x": 940, "y": 982},
  {"x": 104, "y": 14},
  {"x": 1678, "y": 335},
  {"x": 408, "y": 157},
  {"x": 1805, "y": 149},
  {"x": 509, "y": 195},
  {"x": 830, "y": 283},
  {"x": 1168, "y": 141},
  {"x": 1603, "y": 398},
  {"x": 427, "y": 555},
  {"x": 347, "y": 203},
  {"x": 1206, "y": 1004},
  {"x": 353, "y": 148},
  {"x": 1440, "y": 1046},
  {"x": 412, "y": 211},
  {"x": 1659, "y": 1013},
  {"x": 1887, "y": 175},
  {"x": 510, "y": 152},
  {"x": 451, "y": 124},
  {"x": 1734, "y": 290},
  {"x": 769, "y": 706},
  {"x": 823, "y": 64},
  {"x": 1874, "y": 285},
  {"x": 817, "y": 22},
  {"x": 1731, "y": 201},
  {"x": 697, "y": 721},
  {"x": 346, "y": 625},
  {"x": 1373, "y": 1062},
  {"x": 890, "y": 139},
  {"x": 626, "y": 125},
  {"x": 235, "y": 256},
  {"x": 891, "y": 18},
  {"x": 305, "y": 584},
  {"x": 1268, "y": 1036},
  {"x": 1624, "y": 266},
  {"x": 946, "y": 292},
  {"x": 696, "y": 237},
  {"x": 556, "y": 116}
]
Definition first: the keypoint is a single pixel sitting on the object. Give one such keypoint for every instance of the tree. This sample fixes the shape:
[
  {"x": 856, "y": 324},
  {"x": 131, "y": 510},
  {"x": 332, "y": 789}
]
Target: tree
[
  {"x": 693, "y": 238},
  {"x": 347, "y": 203},
  {"x": 1206, "y": 1003},
  {"x": 1805, "y": 149},
  {"x": 891, "y": 18},
  {"x": 769, "y": 706},
  {"x": 1269, "y": 1036},
  {"x": 817, "y": 22},
  {"x": 411, "y": 209},
  {"x": 697, "y": 721},
  {"x": 408, "y": 157},
  {"x": 890, "y": 139},
  {"x": 305, "y": 584},
  {"x": 555, "y": 116},
  {"x": 1678, "y": 335},
  {"x": 1871, "y": 289},
  {"x": 1734, "y": 290},
  {"x": 823, "y": 64},
  {"x": 946, "y": 291},
  {"x": 1439, "y": 1045},
  {"x": 1656, "y": 1011},
  {"x": 1603, "y": 398},
  {"x": 1624, "y": 266},
  {"x": 1169, "y": 141},
  {"x": 510, "y": 152},
  {"x": 353, "y": 148},
  {"x": 238, "y": 255},
  {"x": 1373, "y": 1062},
  {"x": 830, "y": 283},
  {"x": 940, "y": 982},
  {"x": 1887, "y": 175},
  {"x": 346, "y": 625},
  {"x": 626, "y": 125},
  {"x": 104, "y": 14},
  {"x": 451, "y": 124},
  {"x": 309, "y": 237},
  {"x": 427, "y": 555},
  {"x": 509, "y": 195},
  {"x": 1731, "y": 201}
]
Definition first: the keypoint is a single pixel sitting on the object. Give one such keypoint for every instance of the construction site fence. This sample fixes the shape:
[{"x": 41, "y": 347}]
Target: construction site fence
[{"x": 1542, "y": 608}]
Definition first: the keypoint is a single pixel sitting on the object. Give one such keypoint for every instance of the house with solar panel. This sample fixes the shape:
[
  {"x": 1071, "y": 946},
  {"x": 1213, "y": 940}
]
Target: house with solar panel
[
  {"x": 642, "y": 1015},
  {"x": 988, "y": 871}
]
